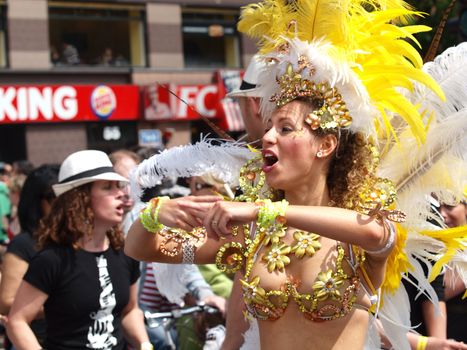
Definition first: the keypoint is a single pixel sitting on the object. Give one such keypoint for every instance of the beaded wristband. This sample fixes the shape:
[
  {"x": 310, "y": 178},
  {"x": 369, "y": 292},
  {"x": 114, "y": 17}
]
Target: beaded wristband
[
  {"x": 150, "y": 215},
  {"x": 422, "y": 342},
  {"x": 271, "y": 212}
]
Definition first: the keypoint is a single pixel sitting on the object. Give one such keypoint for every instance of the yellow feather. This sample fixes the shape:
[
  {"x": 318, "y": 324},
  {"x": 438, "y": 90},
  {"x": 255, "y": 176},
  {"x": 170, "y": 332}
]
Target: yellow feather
[
  {"x": 454, "y": 238},
  {"x": 397, "y": 263}
]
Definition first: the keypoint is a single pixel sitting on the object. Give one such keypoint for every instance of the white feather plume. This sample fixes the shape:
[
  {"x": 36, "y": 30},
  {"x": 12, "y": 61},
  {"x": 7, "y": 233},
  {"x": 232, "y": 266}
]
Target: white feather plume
[
  {"x": 439, "y": 166},
  {"x": 223, "y": 161},
  {"x": 459, "y": 265},
  {"x": 395, "y": 318},
  {"x": 170, "y": 281},
  {"x": 448, "y": 69}
]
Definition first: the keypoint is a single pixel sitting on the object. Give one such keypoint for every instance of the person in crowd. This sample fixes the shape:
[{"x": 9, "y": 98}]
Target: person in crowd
[
  {"x": 5, "y": 204},
  {"x": 149, "y": 296},
  {"x": 54, "y": 56},
  {"x": 34, "y": 203},
  {"x": 107, "y": 57},
  {"x": 81, "y": 277},
  {"x": 70, "y": 54},
  {"x": 15, "y": 186},
  {"x": 425, "y": 318},
  {"x": 22, "y": 167},
  {"x": 455, "y": 215},
  {"x": 123, "y": 162},
  {"x": 315, "y": 246},
  {"x": 248, "y": 100},
  {"x": 206, "y": 185}
]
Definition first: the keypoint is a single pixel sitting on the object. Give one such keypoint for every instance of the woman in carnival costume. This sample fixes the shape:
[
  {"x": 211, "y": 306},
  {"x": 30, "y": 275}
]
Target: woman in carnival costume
[{"x": 347, "y": 108}]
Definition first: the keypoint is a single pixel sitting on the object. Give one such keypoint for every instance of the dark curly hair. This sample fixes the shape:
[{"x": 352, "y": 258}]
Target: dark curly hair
[
  {"x": 70, "y": 219},
  {"x": 350, "y": 164}
]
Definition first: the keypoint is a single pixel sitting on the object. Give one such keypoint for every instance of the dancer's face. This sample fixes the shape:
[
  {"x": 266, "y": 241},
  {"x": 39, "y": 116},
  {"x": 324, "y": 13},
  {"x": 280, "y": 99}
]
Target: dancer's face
[
  {"x": 454, "y": 215},
  {"x": 289, "y": 147}
]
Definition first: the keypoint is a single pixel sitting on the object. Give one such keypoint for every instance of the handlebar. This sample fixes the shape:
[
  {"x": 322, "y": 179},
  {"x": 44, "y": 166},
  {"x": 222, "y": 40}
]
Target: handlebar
[{"x": 153, "y": 319}]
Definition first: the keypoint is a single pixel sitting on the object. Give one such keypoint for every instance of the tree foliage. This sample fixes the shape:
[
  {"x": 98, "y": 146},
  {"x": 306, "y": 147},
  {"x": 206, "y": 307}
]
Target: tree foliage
[{"x": 434, "y": 10}]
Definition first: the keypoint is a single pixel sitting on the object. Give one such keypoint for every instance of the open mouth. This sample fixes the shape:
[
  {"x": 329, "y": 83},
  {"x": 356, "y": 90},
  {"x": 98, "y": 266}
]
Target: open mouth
[
  {"x": 120, "y": 209},
  {"x": 269, "y": 158}
]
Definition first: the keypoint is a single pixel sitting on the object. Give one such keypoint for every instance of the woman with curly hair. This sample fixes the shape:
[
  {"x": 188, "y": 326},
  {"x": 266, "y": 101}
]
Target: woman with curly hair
[{"x": 81, "y": 277}]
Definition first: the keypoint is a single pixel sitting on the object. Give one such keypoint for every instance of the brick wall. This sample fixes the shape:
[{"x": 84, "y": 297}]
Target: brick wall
[{"x": 28, "y": 34}]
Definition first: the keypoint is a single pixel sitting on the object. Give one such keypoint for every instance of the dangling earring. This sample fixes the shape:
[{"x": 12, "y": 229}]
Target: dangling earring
[{"x": 319, "y": 154}]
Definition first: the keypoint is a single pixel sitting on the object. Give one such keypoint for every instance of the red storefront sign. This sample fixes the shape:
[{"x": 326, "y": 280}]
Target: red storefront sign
[
  {"x": 68, "y": 103},
  {"x": 160, "y": 104}
]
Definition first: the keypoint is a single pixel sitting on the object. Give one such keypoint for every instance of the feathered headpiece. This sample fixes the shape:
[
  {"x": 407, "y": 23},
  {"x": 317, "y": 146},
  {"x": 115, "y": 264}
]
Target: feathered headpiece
[{"x": 341, "y": 49}]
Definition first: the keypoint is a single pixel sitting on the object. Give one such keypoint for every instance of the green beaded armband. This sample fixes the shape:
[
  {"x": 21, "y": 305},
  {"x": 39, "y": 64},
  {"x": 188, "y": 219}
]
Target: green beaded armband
[
  {"x": 271, "y": 213},
  {"x": 150, "y": 215}
]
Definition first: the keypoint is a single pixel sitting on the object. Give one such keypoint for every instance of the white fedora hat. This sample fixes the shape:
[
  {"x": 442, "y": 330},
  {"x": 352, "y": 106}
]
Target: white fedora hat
[
  {"x": 248, "y": 88},
  {"x": 83, "y": 167}
]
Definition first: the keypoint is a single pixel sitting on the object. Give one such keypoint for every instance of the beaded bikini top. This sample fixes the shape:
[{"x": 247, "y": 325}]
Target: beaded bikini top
[{"x": 334, "y": 292}]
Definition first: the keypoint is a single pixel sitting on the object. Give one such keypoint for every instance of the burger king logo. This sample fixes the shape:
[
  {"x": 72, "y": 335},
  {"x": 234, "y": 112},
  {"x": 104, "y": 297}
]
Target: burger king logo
[{"x": 103, "y": 101}]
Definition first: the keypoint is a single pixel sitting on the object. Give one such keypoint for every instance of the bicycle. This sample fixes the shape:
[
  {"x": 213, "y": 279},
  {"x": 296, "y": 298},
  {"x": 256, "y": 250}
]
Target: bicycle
[{"x": 210, "y": 330}]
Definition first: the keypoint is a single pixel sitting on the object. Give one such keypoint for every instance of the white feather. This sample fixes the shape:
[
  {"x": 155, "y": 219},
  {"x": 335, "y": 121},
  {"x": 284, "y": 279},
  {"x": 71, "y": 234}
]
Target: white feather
[
  {"x": 223, "y": 161},
  {"x": 373, "y": 340},
  {"x": 439, "y": 166},
  {"x": 395, "y": 318},
  {"x": 251, "y": 337},
  {"x": 459, "y": 265},
  {"x": 448, "y": 69}
]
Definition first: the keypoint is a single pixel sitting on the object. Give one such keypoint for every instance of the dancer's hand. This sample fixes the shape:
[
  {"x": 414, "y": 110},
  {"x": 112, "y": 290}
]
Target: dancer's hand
[
  {"x": 186, "y": 213},
  {"x": 222, "y": 215}
]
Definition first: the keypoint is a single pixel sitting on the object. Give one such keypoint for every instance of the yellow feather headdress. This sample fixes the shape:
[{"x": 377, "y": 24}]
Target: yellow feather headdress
[{"x": 354, "y": 47}]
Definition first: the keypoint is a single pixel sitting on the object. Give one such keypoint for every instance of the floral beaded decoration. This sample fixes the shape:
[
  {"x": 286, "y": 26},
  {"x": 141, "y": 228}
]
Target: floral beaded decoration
[
  {"x": 331, "y": 112},
  {"x": 305, "y": 244},
  {"x": 230, "y": 257},
  {"x": 150, "y": 215},
  {"x": 252, "y": 181},
  {"x": 325, "y": 288},
  {"x": 271, "y": 227}
]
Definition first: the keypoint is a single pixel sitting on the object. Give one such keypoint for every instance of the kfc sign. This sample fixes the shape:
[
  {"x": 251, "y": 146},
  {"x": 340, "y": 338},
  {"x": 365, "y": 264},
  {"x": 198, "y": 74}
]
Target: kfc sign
[
  {"x": 160, "y": 104},
  {"x": 31, "y": 104}
]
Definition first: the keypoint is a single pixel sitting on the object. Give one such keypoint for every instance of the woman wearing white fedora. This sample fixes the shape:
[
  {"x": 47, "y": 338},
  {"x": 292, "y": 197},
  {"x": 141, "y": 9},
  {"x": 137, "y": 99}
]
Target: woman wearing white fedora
[{"x": 81, "y": 277}]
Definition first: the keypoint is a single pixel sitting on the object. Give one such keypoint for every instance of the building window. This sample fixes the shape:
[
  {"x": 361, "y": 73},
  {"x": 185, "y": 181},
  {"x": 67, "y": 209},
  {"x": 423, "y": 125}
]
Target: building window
[
  {"x": 210, "y": 38},
  {"x": 3, "y": 36},
  {"x": 97, "y": 34}
]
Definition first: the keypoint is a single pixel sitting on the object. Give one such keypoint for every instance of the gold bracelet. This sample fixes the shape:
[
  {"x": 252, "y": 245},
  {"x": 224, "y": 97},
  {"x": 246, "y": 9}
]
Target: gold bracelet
[{"x": 422, "y": 342}]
